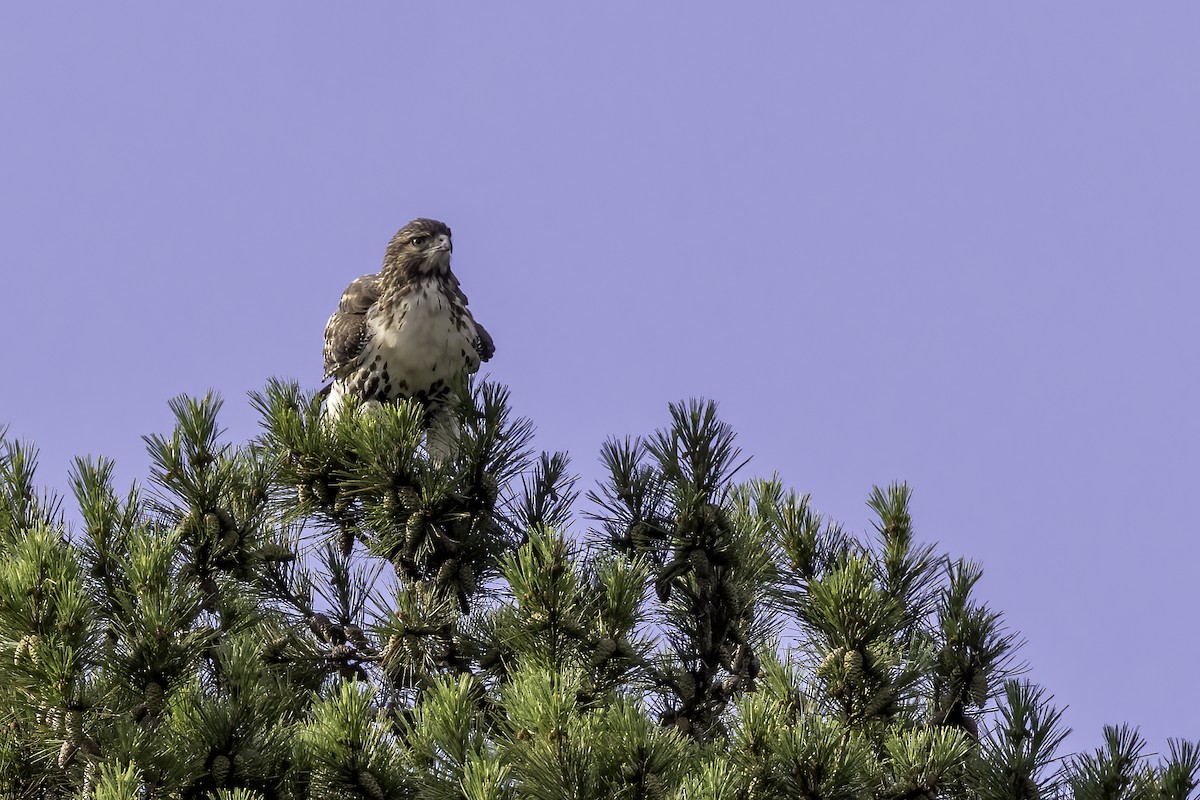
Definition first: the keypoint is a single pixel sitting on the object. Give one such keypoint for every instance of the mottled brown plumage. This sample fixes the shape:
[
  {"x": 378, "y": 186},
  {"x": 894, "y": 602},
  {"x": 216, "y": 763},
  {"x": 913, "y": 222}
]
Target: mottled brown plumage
[{"x": 404, "y": 331}]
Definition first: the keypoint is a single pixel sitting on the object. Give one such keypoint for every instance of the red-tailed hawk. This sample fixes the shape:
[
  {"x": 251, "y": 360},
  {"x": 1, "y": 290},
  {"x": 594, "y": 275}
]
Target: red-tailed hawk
[{"x": 404, "y": 332}]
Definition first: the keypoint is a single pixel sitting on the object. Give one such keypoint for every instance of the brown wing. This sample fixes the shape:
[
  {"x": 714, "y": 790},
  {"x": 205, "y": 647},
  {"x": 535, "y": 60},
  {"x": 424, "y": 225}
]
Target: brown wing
[
  {"x": 483, "y": 343},
  {"x": 484, "y": 346},
  {"x": 346, "y": 332}
]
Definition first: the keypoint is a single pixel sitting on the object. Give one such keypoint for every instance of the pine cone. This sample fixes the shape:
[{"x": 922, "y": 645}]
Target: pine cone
[
  {"x": 346, "y": 541},
  {"x": 879, "y": 701},
  {"x": 713, "y": 517},
  {"x": 74, "y": 725},
  {"x": 971, "y": 726},
  {"x": 276, "y": 552},
  {"x": 220, "y": 769},
  {"x": 447, "y": 572},
  {"x": 624, "y": 649},
  {"x": 210, "y": 594},
  {"x": 415, "y": 529},
  {"x": 357, "y": 637},
  {"x": 656, "y": 788},
  {"x": 491, "y": 657},
  {"x": 366, "y": 781},
  {"x": 408, "y": 497},
  {"x": 604, "y": 650},
  {"x": 638, "y": 537},
  {"x": 201, "y": 458},
  {"x": 154, "y": 698},
  {"x": 212, "y": 525},
  {"x": 66, "y": 753},
  {"x": 23, "y": 647},
  {"x": 466, "y": 576},
  {"x": 685, "y": 684},
  {"x": 321, "y": 627},
  {"x": 231, "y": 540},
  {"x": 854, "y": 667},
  {"x": 834, "y": 657},
  {"x": 979, "y": 689},
  {"x": 191, "y": 525}
]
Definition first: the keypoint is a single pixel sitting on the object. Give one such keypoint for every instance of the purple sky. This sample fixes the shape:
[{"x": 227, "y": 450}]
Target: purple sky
[{"x": 953, "y": 244}]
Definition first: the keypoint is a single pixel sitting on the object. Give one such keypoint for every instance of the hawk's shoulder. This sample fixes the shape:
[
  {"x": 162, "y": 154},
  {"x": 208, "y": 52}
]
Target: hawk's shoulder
[{"x": 346, "y": 333}]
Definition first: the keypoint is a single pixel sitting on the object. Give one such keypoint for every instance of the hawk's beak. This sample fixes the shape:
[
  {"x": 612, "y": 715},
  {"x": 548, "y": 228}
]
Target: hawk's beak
[{"x": 443, "y": 243}]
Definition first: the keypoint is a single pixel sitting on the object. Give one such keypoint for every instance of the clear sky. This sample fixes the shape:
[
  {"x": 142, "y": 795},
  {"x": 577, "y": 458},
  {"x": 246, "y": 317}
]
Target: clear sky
[{"x": 949, "y": 243}]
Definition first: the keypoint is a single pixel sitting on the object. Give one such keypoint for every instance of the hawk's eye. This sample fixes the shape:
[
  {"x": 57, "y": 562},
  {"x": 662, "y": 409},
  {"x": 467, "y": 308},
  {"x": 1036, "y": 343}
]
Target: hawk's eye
[{"x": 417, "y": 241}]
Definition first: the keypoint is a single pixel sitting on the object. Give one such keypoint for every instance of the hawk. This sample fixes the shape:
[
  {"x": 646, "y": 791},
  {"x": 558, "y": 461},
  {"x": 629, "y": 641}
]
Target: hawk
[{"x": 405, "y": 331}]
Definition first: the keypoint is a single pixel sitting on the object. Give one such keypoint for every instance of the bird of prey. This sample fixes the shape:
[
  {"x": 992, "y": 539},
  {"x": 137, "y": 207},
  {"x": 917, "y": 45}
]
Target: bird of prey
[{"x": 405, "y": 331}]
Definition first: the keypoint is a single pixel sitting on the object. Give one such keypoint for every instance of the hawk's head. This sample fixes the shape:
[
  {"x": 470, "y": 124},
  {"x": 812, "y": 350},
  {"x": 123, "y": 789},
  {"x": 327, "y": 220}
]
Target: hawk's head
[{"x": 421, "y": 247}]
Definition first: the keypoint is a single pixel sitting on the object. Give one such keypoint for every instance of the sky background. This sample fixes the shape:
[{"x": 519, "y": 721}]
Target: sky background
[{"x": 948, "y": 243}]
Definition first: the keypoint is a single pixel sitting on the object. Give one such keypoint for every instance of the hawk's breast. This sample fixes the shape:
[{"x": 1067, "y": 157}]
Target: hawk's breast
[{"x": 420, "y": 341}]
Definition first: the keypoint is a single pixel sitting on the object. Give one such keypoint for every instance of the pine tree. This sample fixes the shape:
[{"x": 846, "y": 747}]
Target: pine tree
[{"x": 331, "y": 611}]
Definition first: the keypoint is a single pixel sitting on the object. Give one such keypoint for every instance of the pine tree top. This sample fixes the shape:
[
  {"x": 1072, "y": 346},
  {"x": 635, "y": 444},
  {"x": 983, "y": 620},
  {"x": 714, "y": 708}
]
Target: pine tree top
[{"x": 331, "y": 610}]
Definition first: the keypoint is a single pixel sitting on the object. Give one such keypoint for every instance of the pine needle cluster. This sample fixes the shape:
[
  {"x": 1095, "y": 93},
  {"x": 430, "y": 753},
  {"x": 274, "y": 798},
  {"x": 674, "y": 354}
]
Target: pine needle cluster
[{"x": 343, "y": 609}]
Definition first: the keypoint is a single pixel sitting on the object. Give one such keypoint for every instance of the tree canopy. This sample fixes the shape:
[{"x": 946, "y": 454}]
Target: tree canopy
[{"x": 330, "y": 611}]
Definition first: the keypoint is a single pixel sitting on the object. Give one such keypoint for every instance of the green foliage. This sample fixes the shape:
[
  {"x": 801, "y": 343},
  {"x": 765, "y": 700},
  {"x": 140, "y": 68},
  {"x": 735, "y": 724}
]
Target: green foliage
[
  {"x": 363, "y": 607},
  {"x": 345, "y": 750}
]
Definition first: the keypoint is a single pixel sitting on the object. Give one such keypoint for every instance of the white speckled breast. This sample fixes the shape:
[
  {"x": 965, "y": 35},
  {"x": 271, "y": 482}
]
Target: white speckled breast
[{"x": 426, "y": 339}]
